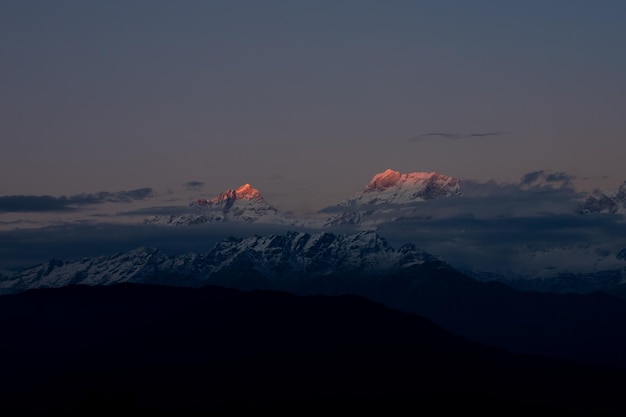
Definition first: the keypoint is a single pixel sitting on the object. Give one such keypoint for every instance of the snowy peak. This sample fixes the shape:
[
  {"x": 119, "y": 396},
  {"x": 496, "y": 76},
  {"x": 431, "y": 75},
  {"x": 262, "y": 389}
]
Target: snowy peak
[
  {"x": 385, "y": 179},
  {"x": 389, "y": 193},
  {"x": 247, "y": 192},
  {"x": 390, "y": 178},
  {"x": 402, "y": 188},
  {"x": 228, "y": 197},
  {"x": 242, "y": 204}
]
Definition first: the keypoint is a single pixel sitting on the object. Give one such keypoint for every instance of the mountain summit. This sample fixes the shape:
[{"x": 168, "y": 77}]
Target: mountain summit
[
  {"x": 228, "y": 197},
  {"x": 242, "y": 204},
  {"x": 414, "y": 186},
  {"x": 390, "y": 192}
]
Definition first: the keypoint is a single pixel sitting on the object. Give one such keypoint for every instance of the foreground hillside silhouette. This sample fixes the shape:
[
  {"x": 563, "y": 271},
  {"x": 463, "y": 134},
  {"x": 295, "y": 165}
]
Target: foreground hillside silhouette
[{"x": 157, "y": 350}]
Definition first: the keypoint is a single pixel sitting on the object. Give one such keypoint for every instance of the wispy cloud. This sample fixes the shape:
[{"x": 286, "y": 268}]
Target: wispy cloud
[
  {"x": 455, "y": 136},
  {"x": 546, "y": 177},
  {"x": 156, "y": 211},
  {"x": 194, "y": 185},
  {"x": 47, "y": 203}
]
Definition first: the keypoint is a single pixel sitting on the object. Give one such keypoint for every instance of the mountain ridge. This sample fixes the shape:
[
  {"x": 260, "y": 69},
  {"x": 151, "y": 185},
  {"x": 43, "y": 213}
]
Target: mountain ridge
[
  {"x": 581, "y": 327},
  {"x": 275, "y": 257}
]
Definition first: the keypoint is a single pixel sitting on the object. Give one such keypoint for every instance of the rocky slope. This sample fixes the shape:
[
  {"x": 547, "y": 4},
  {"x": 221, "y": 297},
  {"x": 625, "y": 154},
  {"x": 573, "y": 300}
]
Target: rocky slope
[{"x": 608, "y": 201}]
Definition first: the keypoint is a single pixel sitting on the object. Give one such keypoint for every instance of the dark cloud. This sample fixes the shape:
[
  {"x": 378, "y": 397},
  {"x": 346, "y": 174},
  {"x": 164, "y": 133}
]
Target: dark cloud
[
  {"x": 46, "y": 203},
  {"x": 546, "y": 177},
  {"x": 506, "y": 244},
  {"x": 448, "y": 135},
  {"x": 156, "y": 211},
  {"x": 194, "y": 185},
  {"x": 601, "y": 177},
  {"x": 17, "y": 222},
  {"x": 33, "y": 203},
  {"x": 108, "y": 197}
]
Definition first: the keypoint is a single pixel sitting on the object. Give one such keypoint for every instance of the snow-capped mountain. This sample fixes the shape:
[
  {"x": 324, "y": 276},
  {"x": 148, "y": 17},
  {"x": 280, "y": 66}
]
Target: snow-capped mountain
[
  {"x": 287, "y": 261},
  {"x": 609, "y": 201},
  {"x": 243, "y": 204},
  {"x": 391, "y": 194}
]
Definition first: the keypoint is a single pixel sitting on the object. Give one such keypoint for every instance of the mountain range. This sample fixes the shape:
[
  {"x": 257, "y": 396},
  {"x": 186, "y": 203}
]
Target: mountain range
[
  {"x": 395, "y": 198},
  {"x": 149, "y": 330},
  {"x": 389, "y": 193},
  {"x": 585, "y": 327},
  {"x": 286, "y": 261}
]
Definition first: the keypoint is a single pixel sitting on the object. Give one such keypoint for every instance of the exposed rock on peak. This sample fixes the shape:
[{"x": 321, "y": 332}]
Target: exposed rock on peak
[{"x": 609, "y": 201}]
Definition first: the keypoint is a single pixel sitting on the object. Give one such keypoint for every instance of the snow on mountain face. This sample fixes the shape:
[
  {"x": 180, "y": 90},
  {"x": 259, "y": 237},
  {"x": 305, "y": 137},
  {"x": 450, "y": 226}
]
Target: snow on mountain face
[
  {"x": 244, "y": 204},
  {"x": 279, "y": 256},
  {"x": 279, "y": 261},
  {"x": 390, "y": 189},
  {"x": 393, "y": 187},
  {"x": 610, "y": 201}
]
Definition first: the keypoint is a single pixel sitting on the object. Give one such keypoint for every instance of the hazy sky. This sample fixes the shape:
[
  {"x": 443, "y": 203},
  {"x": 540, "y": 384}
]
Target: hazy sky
[{"x": 305, "y": 100}]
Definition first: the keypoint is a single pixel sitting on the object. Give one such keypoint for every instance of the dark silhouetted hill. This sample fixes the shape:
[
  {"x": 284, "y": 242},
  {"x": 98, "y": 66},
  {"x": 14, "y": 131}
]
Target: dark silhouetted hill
[{"x": 157, "y": 350}]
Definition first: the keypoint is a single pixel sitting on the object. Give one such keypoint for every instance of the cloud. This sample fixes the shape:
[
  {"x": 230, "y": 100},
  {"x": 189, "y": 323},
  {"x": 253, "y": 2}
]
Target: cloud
[
  {"x": 526, "y": 228},
  {"x": 16, "y": 222},
  {"x": 535, "y": 193},
  {"x": 448, "y": 135},
  {"x": 32, "y": 203},
  {"x": 492, "y": 226},
  {"x": 194, "y": 185},
  {"x": 156, "y": 211},
  {"x": 515, "y": 244},
  {"x": 546, "y": 178},
  {"x": 509, "y": 228},
  {"x": 601, "y": 177},
  {"x": 47, "y": 203},
  {"x": 108, "y": 197}
]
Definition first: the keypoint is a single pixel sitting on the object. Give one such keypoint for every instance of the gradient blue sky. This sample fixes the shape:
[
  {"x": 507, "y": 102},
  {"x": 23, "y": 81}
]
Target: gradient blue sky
[{"x": 306, "y": 100}]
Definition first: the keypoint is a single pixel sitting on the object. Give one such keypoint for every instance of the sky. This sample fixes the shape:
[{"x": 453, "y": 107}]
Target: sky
[
  {"x": 306, "y": 100},
  {"x": 114, "y": 111}
]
